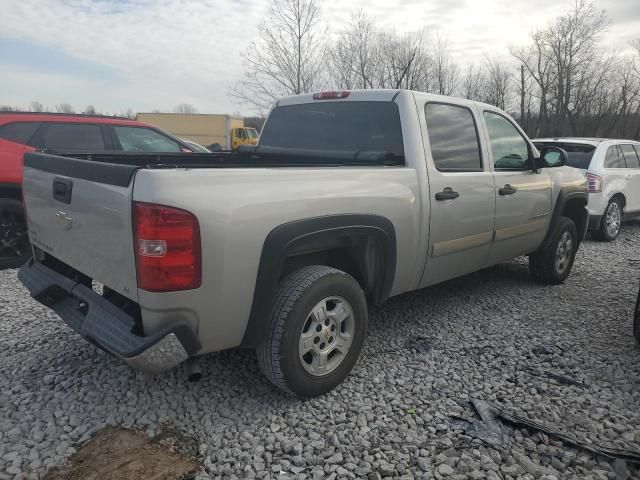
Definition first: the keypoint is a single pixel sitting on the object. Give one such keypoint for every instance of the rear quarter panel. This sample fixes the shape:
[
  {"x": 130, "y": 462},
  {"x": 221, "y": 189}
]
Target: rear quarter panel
[
  {"x": 237, "y": 208},
  {"x": 613, "y": 180}
]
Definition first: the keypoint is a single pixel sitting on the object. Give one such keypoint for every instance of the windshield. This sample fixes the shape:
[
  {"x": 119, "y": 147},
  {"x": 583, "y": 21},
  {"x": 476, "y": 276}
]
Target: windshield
[
  {"x": 337, "y": 126},
  {"x": 579, "y": 154},
  {"x": 252, "y": 133}
]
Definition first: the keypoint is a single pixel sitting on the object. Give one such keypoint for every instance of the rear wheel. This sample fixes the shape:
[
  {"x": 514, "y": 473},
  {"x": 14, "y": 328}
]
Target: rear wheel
[
  {"x": 316, "y": 333},
  {"x": 14, "y": 241},
  {"x": 611, "y": 222},
  {"x": 553, "y": 263}
]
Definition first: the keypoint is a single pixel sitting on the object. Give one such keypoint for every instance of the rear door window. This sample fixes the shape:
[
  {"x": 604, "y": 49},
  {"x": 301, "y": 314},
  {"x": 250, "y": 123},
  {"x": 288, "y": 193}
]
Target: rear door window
[
  {"x": 614, "y": 158},
  {"x": 336, "y": 126},
  {"x": 73, "y": 137},
  {"x": 19, "y": 132},
  {"x": 453, "y": 138},
  {"x": 141, "y": 139},
  {"x": 630, "y": 156}
]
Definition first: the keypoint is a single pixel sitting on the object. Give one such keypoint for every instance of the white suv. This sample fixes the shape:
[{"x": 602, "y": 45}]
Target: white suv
[{"x": 612, "y": 168}]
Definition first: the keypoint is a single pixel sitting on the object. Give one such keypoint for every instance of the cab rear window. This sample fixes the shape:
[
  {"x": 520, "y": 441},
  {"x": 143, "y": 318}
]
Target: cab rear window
[
  {"x": 579, "y": 154},
  {"x": 336, "y": 126}
]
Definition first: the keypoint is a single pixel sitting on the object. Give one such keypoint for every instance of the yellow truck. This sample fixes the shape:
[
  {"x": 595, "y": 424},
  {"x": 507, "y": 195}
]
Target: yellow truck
[{"x": 204, "y": 128}]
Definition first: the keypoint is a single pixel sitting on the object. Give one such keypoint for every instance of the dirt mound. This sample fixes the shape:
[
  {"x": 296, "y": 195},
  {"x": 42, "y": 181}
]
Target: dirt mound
[{"x": 121, "y": 454}]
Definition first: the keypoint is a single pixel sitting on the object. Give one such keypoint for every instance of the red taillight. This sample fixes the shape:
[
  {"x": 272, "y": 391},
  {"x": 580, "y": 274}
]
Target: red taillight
[
  {"x": 331, "y": 95},
  {"x": 167, "y": 246},
  {"x": 595, "y": 183}
]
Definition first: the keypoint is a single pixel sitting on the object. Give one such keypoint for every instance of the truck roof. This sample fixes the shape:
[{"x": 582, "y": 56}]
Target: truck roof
[
  {"x": 373, "y": 95},
  {"x": 582, "y": 140}
]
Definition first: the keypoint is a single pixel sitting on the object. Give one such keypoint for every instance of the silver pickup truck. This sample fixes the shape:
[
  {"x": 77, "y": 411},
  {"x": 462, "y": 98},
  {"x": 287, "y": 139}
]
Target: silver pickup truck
[{"x": 349, "y": 198}]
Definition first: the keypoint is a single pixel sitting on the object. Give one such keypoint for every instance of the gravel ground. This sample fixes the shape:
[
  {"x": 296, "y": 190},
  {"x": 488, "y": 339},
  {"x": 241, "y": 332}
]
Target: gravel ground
[{"x": 493, "y": 335}]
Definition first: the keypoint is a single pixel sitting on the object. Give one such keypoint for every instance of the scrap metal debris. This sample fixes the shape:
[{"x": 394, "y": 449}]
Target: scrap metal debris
[
  {"x": 565, "y": 380},
  {"x": 495, "y": 420},
  {"x": 487, "y": 428},
  {"x": 558, "y": 377}
]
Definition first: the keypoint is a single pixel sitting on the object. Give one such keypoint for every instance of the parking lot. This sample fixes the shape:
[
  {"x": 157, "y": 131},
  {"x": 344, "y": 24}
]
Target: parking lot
[{"x": 563, "y": 356}]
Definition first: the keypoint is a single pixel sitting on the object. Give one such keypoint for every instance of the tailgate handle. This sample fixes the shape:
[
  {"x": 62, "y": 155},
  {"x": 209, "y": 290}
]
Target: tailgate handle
[{"x": 62, "y": 188}]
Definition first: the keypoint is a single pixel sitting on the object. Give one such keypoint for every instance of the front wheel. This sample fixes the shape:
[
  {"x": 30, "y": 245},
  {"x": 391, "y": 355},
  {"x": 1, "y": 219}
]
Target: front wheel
[
  {"x": 552, "y": 264},
  {"x": 317, "y": 328},
  {"x": 14, "y": 241}
]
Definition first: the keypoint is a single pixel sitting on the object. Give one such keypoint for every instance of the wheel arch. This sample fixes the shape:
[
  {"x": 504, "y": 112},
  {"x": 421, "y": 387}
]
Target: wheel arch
[
  {"x": 362, "y": 245},
  {"x": 571, "y": 203},
  {"x": 620, "y": 196}
]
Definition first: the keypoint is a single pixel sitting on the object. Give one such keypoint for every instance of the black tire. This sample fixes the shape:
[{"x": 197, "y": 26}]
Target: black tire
[
  {"x": 15, "y": 249},
  {"x": 298, "y": 294},
  {"x": 636, "y": 320},
  {"x": 602, "y": 233},
  {"x": 543, "y": 265}
]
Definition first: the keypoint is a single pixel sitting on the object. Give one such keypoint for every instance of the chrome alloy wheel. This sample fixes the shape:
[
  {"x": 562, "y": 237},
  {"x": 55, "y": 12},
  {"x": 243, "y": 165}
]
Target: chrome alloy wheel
[
  {"x": 564, "y": 250},
  {"x": 613, "y": 220},
  {"x": 326, "y": 336}
]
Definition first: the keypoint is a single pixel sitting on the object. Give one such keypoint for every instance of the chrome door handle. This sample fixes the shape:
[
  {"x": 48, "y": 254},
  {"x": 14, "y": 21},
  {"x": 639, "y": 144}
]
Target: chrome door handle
[{"x": 628, "y": 176}]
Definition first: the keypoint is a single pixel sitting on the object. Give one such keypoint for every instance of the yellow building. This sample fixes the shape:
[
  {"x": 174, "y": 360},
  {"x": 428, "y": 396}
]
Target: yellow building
[{"x": 202, "y": 128}]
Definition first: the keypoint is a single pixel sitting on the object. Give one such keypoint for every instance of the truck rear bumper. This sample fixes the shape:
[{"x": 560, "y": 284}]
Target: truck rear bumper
[{"x": 104, "y": 324}]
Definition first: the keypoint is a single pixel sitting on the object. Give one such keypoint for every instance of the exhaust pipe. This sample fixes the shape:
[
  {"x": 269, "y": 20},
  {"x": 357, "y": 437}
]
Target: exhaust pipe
[{"x": 192, "y": 369}]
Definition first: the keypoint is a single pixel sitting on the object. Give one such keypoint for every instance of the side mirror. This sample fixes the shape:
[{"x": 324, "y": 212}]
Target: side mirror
[{"x": 553, "y": 157}]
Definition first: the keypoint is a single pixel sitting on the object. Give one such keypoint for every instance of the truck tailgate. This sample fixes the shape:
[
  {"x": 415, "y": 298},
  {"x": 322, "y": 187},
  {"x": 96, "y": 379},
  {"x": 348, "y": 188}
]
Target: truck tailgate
[{"x": 80, "y": 213}]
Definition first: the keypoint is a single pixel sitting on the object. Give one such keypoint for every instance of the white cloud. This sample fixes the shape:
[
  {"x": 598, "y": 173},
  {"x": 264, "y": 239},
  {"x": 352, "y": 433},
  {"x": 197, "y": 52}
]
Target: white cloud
[{"x": 173, "y": 51}]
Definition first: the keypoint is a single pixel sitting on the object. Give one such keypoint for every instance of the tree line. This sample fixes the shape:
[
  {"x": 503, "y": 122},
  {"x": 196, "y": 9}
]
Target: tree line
[
  {"x": 38, "y": 107},
  {"x": 563, "y": 81}
]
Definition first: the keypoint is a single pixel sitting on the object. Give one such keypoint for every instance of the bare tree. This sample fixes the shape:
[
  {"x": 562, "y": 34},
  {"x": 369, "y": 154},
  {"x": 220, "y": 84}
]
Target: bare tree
[
  {"x": 36, "y": 106},
  {"x": 497, "y": 82},
  {"x": 525, "y": 90},
  {"x": 89, "y": 110},
  {"x": 64, "y": 108},
  {"x": 406, "y": 61},
  {"x": 287, "y": 59},
  {"x": 472, "y": 82},
  {"x": 9, "y": 108},
  {"x": 573, "y": 45},
  {"x": 366, "y": 57},
  {"x": 354, "y": 58},
  {"x": 537, "y": 62},
  {"x": 566, "y": 61},
  {"x": 184, "y": 108},
  {"x": 445, "y": 70}
]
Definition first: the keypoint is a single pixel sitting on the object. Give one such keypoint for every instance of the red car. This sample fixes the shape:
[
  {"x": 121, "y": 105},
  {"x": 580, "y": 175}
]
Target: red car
[{"x": 22, "y": 132}]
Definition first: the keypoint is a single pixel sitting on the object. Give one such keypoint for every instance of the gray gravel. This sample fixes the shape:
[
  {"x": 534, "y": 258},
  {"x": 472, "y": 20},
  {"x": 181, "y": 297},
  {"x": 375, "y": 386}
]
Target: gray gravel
[{"x": 493, "y": 335}]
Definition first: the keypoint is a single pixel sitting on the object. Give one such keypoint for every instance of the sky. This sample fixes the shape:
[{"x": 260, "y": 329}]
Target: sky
[{"x": 155, "y": 54}]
